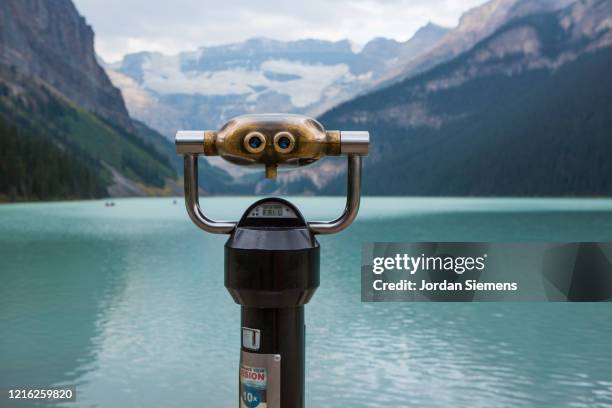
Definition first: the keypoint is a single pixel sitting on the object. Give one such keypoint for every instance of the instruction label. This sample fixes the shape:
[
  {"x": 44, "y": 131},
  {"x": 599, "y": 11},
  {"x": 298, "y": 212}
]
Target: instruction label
[{"x": 253, "y": 387}]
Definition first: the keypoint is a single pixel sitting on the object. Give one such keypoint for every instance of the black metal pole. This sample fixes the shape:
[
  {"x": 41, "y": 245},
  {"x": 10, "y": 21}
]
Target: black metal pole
[
  {"x": 282, "y": 332},
  {"x": 272, "y": 271}
]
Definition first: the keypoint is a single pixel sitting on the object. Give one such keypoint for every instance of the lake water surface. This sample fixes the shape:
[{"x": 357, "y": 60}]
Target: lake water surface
[{"x": 128, "y": 303}]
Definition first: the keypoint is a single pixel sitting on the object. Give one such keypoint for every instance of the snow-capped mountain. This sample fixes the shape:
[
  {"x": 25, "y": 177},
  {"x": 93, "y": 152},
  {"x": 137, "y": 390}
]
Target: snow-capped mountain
[
  {"x": 474, "y": 26},
  {"x": 203, "y": 88}
]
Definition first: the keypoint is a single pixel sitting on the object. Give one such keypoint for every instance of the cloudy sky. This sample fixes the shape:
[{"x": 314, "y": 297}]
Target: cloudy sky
[{"x": 125, "y": 26}]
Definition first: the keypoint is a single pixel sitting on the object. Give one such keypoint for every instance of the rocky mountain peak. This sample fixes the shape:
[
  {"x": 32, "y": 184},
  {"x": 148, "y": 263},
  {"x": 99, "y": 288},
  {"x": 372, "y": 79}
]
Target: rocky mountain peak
[
  {"x": 474, "y": 26},
  {"x": 48, "y": 39},
  {"x": 431, "y": 29}
]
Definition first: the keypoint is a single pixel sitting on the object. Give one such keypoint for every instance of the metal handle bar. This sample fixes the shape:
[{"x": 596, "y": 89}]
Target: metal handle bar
[
  {"x": 192, "y": 201},
  {"x": 353, "y": 198}
]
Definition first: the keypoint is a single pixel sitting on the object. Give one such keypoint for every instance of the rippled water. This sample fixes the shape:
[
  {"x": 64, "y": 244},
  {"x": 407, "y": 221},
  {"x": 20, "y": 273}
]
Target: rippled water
[{"x": 128, "y": 303}]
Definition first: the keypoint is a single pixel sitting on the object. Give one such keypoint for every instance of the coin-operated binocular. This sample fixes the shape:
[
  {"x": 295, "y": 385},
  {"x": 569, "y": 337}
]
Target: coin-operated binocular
[{"x": 272, "y": 255}]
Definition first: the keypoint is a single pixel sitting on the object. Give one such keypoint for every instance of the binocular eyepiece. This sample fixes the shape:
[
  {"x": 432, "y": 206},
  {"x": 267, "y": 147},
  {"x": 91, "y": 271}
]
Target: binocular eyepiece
[{"x": 272, "y": 140}]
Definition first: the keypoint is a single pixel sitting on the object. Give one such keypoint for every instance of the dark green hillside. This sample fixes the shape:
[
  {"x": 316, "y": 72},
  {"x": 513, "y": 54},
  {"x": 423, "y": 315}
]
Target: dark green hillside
[
  {"x": 42, "y": 170},
  {"x": 535, "y": 133},
  {"x": 32, "y": 108},
  {"x": 160, "y": 144}
]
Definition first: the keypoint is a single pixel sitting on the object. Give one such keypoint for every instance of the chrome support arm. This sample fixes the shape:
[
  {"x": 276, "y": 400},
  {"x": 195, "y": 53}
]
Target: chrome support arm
[
  {"x": 353, "y": 195},
  {"x": 192, "y": 200}
]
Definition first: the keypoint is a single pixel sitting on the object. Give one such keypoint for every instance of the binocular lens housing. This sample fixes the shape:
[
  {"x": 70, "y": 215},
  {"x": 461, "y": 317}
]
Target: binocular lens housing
[
  {"x": 254, "y": 142},
  {"x": 284, "y": 142}
]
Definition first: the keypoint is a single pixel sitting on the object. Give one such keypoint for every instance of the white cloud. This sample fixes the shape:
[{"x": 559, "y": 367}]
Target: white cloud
[{"x": 125, "y": 26}]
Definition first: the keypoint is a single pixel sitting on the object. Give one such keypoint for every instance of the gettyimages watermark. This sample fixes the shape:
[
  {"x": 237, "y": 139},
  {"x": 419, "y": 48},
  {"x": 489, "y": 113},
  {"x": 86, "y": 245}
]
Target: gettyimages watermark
[{"x": 473, "y": 272}]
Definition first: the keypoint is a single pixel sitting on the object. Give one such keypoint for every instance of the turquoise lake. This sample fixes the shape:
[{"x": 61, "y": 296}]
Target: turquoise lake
[{"x": 128, "y": 304}]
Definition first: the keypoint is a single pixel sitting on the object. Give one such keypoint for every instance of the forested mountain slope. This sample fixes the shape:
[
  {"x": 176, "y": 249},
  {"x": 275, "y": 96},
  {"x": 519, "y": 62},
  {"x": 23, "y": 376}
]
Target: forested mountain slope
[
  {"x": 56, "y": 102},
  {"x": 527, "y": 111}
]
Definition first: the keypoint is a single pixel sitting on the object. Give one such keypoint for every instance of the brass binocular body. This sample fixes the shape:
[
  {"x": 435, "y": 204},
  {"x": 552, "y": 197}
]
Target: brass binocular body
[{"x": 271, "y": 141}]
